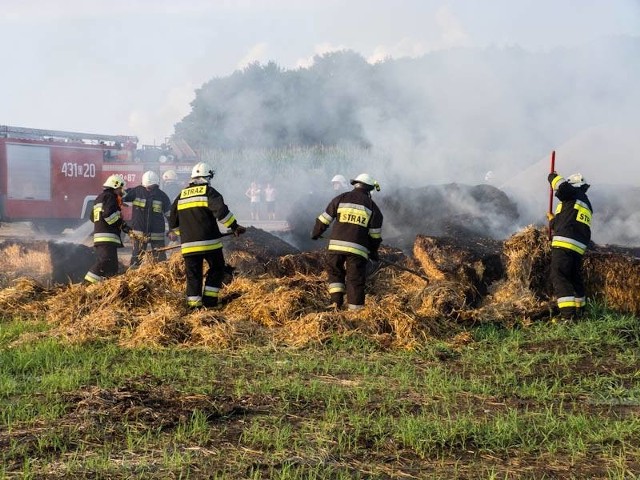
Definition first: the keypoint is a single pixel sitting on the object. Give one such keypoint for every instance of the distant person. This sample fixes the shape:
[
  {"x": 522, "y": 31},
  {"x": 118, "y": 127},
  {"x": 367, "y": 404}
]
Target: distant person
[
  {"x": 355, "y": 238},
  {"x": 170, "y": 184},
  {"x": 196, "y": 213},
  {"x": 571, "y": 228},
  {"x": 253, "y": 192},
  {"x": 339, "y": 183},
  {"x": 107, "y": 225},
  {"x": 270, "y": 194},
  {"x": 151, "y": 207}
]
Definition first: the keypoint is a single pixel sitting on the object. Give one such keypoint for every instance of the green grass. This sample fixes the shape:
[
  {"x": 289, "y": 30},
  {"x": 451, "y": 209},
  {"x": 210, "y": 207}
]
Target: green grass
[{"x": 545, "y": 401}]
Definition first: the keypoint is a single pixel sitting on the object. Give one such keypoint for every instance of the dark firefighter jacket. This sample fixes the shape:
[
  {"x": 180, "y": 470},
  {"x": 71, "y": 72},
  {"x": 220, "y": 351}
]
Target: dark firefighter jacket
[
  {"x": 196, "y": 213},
  {"x": 358, "y": 224},
  {"x": 107, "y": 219},
  {"x": 150, "y": 207},
  {"x": 571, "y": 224}
]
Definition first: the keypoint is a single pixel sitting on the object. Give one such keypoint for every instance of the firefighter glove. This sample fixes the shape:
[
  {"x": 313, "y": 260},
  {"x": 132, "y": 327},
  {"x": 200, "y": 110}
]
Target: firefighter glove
[
  {"x": 172, "y": 236},
  {"x": 315, "y": 237},
  {"x": 373, "y": 255},
  {"x": 126, "y": 228},
  {"x": 239, "y": 230},
  {"x": 549, "y": 216},
  {"x": 551, "y": 176}
]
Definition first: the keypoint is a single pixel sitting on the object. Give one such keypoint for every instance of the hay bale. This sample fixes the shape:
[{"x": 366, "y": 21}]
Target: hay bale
[
  {"x": 47, "y": 262},
  {"x": 473, "y": 264},
  {"x": 612, "y": 275}
]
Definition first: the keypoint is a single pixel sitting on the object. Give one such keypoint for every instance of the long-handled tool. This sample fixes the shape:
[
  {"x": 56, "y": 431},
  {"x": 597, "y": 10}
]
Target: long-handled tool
[
  {"x": 553, "y": 169},
  {"x": 402, "y": 267}
]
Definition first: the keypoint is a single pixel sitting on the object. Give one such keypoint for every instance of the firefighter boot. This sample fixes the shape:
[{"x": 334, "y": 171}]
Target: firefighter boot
[{"x": 337, "y": 300}]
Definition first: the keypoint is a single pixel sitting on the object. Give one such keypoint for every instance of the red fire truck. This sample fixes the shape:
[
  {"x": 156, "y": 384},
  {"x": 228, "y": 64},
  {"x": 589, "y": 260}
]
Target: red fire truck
[{"x": 51, "y": 178}]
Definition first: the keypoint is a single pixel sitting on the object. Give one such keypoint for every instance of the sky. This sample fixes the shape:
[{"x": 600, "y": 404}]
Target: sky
[{"x": 131, "y": 67}]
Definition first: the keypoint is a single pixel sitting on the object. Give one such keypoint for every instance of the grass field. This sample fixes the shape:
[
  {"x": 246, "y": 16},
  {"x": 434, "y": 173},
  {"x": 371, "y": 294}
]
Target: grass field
[{"x": 545, "y": 401}]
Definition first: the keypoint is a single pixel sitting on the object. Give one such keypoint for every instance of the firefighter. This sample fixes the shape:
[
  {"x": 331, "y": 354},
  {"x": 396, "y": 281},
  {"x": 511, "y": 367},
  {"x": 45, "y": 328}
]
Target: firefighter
[
  {"x": 354, "y": 240},
  {"x": 151, "y": 206},
  {"x": 339, "y": 183},
  {"x": 170, "y": 184},
  {"x": 196, "y": 213},
  {"x": 571, "y": 227},
  {"x": 107, "y": 225}
]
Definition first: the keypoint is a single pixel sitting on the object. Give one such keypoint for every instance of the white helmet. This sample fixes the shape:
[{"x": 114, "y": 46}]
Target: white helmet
[
  {"x": 169, "y": 175},
  {"x": 576, "y": 180},
  {"x": 202, "y": 170},
  {"x": 150, "y": 178},
  {"x": 114, "y": 181},
  {"x": 339, "y": 179},
  {"x": 365, "y": 179}
]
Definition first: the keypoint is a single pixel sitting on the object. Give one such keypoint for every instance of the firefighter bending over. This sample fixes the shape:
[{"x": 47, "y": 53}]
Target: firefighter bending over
[
  {"x": 571, "y": 227},
  {"x": 107, "y": 225},
  {"x": 355, "y": 239},
  {"x": 151, "y": 206},
  {"x": 196, "y": 213}
]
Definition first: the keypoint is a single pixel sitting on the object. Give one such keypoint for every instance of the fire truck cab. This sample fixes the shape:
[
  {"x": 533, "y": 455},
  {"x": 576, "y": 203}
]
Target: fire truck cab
[{"x": 51, "y": 178}]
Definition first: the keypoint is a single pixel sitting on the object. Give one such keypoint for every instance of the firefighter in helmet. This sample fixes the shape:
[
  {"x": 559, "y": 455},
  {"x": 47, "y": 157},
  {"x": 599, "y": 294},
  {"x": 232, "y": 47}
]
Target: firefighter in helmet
[
  {"x": 151, "y": 206},
  {"x": 355, "y": 238},
  {"x": 571, "y": 227},
  {"x": 196, "y": 213},
  {"x": 107, "y": 225},
  {"x": 339, "y": 183},
  {"x": 170, "y": 184}
]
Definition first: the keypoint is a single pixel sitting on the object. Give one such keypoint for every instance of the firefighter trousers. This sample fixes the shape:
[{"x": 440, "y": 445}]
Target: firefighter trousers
[
  {"x": 196, "y": 296},
  {"x": 106, "y": 264},
  {"x": 347, "y": 273},
  {"x": 566, "y": 278}
]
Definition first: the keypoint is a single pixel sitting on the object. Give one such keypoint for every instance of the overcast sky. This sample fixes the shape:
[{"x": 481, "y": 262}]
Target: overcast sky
[{"x": 131, "y": 66}]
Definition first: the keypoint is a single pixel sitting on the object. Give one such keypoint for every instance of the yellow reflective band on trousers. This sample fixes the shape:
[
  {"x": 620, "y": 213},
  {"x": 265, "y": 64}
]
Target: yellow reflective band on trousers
[
  {"x": 195, "y": 301},
  {"x": 211, "y": 292},
  {"x": 566, "y": 302},
  {"x": 337, "y": 287},
  {"x": 200, "y": 247}
]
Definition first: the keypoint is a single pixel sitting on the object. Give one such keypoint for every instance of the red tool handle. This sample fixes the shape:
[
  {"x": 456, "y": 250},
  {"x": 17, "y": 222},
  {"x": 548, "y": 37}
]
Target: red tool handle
[{"x": 553, "y": 169}]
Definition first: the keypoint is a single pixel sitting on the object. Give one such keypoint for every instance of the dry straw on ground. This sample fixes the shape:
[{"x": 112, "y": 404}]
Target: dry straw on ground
[{"x": 286, "y": 303}]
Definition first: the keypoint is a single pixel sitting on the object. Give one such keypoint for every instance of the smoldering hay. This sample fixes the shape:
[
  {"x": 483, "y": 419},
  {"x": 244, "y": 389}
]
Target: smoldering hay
[{"x": 280, "y": 298}]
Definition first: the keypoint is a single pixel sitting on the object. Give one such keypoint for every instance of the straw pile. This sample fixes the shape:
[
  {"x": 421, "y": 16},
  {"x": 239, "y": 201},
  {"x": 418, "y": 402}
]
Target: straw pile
[{"x": 285, "y": 303}]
